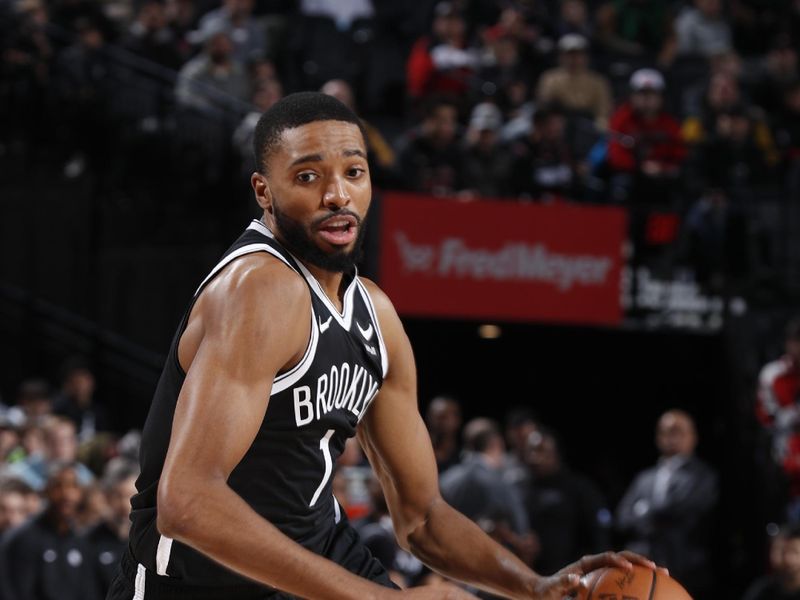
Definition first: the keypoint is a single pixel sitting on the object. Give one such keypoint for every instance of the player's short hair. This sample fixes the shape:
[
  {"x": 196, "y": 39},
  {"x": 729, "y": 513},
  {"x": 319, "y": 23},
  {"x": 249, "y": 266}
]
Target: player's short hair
[{"x": 293, "y": 111}]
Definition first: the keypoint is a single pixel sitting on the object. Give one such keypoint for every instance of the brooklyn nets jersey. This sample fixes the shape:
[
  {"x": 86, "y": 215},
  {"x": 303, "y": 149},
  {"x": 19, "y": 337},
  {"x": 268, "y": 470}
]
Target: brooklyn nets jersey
[{"x": 285, "y": 475}]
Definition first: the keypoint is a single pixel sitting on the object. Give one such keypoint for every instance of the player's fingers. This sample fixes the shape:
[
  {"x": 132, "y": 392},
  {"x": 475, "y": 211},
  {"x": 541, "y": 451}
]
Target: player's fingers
[
  {"x": 638, "y": 559},
  {"x": 606, "y": 559}
]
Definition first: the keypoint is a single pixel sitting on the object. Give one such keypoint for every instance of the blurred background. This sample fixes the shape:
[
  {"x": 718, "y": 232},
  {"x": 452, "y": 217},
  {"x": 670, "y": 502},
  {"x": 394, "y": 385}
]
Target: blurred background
[{"x": 587, "y": 213}]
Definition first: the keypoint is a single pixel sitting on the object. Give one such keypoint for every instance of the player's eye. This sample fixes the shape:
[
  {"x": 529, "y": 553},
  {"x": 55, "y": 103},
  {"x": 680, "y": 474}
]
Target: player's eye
[
  {"x": 307, "y": 176},
  {"x": 355, "y": 172}
]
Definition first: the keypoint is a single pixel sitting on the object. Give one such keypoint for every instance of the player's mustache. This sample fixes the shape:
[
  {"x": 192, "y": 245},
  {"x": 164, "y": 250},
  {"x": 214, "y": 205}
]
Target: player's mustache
[{"x": 336, "y": 213}]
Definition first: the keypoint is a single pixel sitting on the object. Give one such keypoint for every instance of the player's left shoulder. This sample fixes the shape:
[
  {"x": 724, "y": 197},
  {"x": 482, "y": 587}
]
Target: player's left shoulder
[{"x": 383, "y": 305}]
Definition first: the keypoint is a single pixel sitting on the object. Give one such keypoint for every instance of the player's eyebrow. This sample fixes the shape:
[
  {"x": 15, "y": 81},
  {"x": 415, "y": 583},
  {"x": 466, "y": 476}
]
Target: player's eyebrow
[
  {"x": 354, "y": 152},
  {"x": 319, "y": 157},
  {"x": 307, "y": 158}
]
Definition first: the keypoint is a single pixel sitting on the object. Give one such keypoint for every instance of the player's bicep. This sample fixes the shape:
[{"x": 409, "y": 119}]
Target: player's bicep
[{"x": 250, "y": 331}]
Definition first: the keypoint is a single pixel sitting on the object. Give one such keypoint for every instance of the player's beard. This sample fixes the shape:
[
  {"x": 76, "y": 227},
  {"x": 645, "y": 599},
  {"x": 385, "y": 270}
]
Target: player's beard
[{"x": 297, "y": 240}]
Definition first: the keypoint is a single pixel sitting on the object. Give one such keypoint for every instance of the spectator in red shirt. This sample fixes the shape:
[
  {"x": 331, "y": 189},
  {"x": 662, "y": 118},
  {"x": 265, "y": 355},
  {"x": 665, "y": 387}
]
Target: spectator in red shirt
[
  {"x": 645, "y": 150},
  {"x": 778, "y": 410},
  {"x": 442, "y": 63}
]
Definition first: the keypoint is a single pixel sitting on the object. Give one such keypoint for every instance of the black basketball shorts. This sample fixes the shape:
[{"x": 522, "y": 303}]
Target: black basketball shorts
[{"x": 134, "y": 582}]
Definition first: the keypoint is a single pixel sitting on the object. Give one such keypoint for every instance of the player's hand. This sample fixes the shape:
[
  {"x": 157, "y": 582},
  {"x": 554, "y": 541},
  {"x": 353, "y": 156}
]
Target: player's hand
[{"x": 568, "y": 580}]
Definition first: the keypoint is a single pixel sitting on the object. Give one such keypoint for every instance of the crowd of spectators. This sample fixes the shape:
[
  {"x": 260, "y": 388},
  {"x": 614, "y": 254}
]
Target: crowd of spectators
[
  {"x": 65, "y": 488},
  {"x": 691, "y": 105}
]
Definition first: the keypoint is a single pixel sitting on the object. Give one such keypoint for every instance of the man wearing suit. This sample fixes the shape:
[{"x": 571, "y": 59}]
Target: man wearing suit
[{"x": 666, "y": 511}]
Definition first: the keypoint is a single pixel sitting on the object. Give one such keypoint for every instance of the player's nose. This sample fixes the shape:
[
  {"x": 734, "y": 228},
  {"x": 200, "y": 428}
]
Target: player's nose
[{"x": 336, "y": 194}]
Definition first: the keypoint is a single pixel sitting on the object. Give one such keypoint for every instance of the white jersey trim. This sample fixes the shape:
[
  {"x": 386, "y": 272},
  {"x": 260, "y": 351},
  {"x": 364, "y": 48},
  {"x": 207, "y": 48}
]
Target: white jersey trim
[
  {"x": 286, "y": 380},
  {"x": 162, "y": 554},
  {"x": 344, "y": 318},
  {"x": 374, "y": 314},
  {"x": 138, "y": 583},
  {"x": 249, "y": 249},
  {"x": 337, "y": 511}
]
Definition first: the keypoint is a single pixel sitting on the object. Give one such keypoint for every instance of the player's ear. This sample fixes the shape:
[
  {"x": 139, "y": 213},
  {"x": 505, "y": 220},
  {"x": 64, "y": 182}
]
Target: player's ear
[{"x": 262, "y": 191}]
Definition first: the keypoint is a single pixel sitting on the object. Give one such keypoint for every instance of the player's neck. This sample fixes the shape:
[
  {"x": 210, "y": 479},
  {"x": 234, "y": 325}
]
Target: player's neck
[{"x": 331, "y": 282}]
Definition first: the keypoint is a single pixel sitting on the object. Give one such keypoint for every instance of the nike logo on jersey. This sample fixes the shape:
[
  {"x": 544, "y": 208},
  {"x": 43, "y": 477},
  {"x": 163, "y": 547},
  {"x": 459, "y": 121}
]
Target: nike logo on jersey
[
  {"x": 371, "y": 349},
  {"x": 323, "y": 327},
  {"x": 367, "y": 333}
]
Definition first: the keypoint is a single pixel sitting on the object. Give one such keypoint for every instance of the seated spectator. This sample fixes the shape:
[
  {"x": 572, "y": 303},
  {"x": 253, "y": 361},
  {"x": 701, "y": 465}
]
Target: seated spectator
[
  {"x": 10, "y": 450},
  {"x": 502, "y": 70},
  {"x": 77, "y": 402},
  {"x": 33, "y": 402},
  {"x": 778, "y": 71},
  {"x": 60, "y": 445},
  {"x": 520, "y": 424},
  {"x": 702, "y": 30},
  {"x": 784, "y": 582},
  {"x": 730, "y": 157},
  {"x": 46, "y": 559},
  {"x": 716, "y": 239},
  {"x": 265, "y": 94},
  {"x": 442, "y": 63},
  {"x": 543, "y": 164},
  {"x": 756, "y": 23},
  {"x": 84, "y": 85},
  {"x": 236, "y": 18},
  {"x": 381, "y": 155},
  {"x": 637, "y": 29},
  {"x": 109, "y": 538},
  {"x": 487, "y": 164},
  {"x": 574, "y": 18},
  {"x": 213, "y": 79},
  {"x": 443, "y": 418},
  {"x": 430, "y": 155},
  {"x": 666, "y": 512},
  {"x": 565, "y": 509},
  {"x": 13, "y": 504},
  {"x": 151, "y": 37},
  {"x": 723, "y": 96},
  {"x": 573, "y": 85},
  {"x": 475, "y": 487},
  {"x": 778, "y": 410},
  {"x": 92, "y": 508},
  {"x": 645, "y": 152}
]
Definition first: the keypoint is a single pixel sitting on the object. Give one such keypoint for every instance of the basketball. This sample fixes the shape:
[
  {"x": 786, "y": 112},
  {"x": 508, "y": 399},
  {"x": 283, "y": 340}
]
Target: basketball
[{"x": 639, "y": 584}]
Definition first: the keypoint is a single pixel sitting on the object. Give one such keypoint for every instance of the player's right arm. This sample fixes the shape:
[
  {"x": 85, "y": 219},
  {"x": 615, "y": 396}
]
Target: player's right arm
[{"x": 250, "y": 322}]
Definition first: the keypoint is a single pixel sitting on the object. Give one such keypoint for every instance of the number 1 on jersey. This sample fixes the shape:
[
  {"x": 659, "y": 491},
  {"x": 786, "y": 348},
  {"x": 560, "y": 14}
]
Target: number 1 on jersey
[{"x": 324, "y": 445}]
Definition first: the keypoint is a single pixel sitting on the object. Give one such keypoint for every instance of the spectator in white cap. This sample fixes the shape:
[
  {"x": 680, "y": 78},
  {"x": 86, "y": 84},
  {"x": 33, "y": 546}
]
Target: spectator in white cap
[
  {"x": 645, "y": 150},
  {"x": 486, "y": 168},
  {"x": 573, "y": 85}
]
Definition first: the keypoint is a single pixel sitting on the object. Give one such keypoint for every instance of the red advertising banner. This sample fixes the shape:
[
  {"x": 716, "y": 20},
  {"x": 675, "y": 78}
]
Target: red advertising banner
[{"x": 502, "y": 260}]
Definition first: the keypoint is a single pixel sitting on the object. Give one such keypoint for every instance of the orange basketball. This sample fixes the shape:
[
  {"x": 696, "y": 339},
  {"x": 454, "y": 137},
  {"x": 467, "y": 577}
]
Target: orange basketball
[{"x": 639, "y": 584}]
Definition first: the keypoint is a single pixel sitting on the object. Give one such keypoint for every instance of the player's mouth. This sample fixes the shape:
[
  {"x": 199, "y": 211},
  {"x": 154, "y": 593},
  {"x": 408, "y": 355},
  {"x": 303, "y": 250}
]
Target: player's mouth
[{"x": 339, "y": 230}]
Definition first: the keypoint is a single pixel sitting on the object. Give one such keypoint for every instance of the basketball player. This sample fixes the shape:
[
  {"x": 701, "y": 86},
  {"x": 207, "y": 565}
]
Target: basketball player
[{"x": 283, "y": 354}]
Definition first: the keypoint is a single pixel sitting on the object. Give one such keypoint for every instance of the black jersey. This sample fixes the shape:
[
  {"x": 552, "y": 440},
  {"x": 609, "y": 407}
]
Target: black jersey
[{"x": 285, "y": 475}]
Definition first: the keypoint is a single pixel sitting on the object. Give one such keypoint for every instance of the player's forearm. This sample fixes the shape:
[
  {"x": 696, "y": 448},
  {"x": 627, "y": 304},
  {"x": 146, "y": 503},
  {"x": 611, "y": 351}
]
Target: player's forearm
[
  {"x": 218, "y": 523},
  {"x": 453, "y": 545}
]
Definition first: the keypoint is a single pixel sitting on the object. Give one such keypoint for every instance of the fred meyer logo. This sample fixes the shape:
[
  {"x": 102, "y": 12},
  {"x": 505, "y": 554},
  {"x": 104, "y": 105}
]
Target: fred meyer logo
[{"x": 513, "y": 262}]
